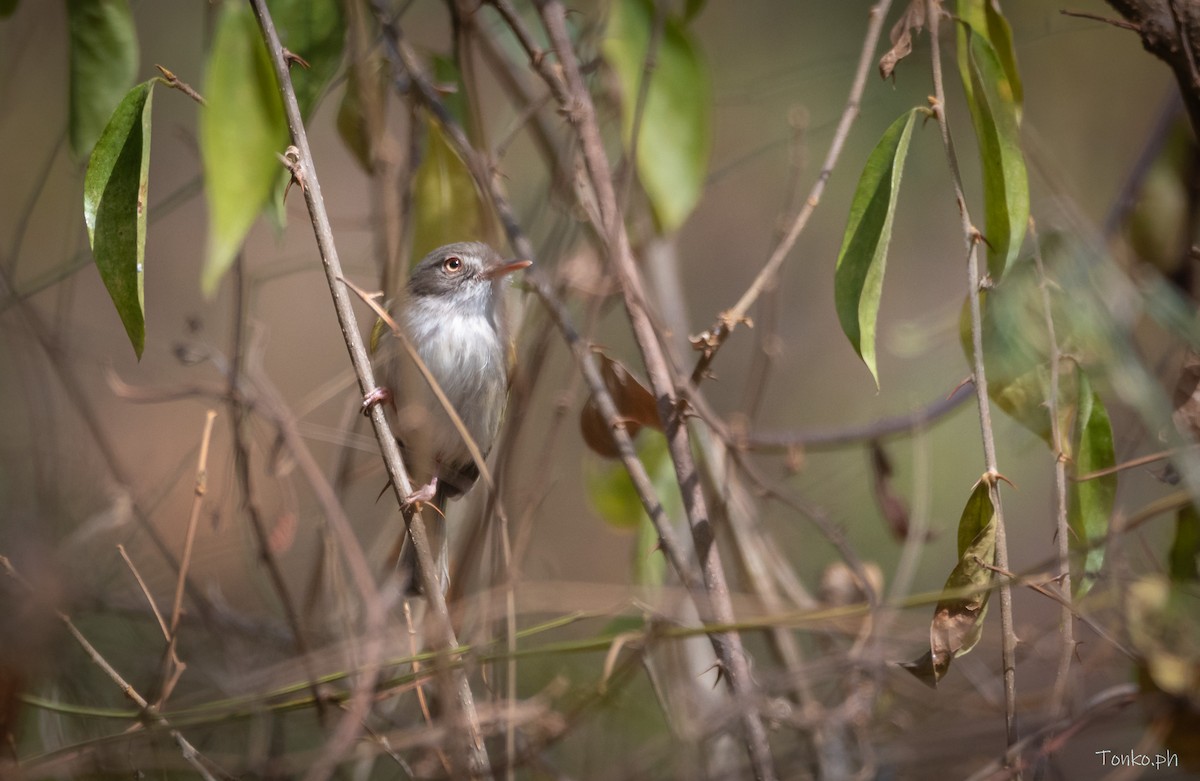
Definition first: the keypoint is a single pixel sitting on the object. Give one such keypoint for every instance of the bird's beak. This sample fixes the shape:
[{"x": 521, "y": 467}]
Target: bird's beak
[{"x": 505, "y": 267}]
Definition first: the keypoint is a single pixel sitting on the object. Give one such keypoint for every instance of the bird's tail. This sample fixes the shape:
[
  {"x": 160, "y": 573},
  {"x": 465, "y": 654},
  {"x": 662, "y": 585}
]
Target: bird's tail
[{"x": 405, "y": 558}]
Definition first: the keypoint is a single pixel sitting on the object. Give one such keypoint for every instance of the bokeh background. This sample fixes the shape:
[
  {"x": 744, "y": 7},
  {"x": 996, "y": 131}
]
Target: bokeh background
[{"x": 780, "y": 73}]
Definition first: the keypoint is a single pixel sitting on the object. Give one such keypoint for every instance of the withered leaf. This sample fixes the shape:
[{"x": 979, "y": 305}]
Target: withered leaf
[
  {"x": 891, "y": 505},
  {"x": 634, "y": 402},
  {"x": 911, "y": 22}
]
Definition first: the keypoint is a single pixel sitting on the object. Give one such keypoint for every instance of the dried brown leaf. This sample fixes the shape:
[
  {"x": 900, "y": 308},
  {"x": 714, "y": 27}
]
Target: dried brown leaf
[{"x": 911, "y": 22}]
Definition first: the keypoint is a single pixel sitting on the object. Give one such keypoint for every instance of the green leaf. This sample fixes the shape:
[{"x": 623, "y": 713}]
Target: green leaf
[
  {"x": 1091, "y": 501},
  {"x": 858, "y": 280},
  {"x": 611, "y": 494},
  {"x": 984, "y": 18},
  {"x": 1185, "y": 548},
  {"x": 242, "y": 132},
  {"x": 958, "y": 619},
  {"x": 675, "y": 134},
  {"x": 104, "y": 61},
  {"x": 316, "y": 31},
  {"x": 1005, "y": 180},
  {"x": 7, "y": 7},
  {"x": 114, "y": 207},
  {"x": 447, "y": 206}
]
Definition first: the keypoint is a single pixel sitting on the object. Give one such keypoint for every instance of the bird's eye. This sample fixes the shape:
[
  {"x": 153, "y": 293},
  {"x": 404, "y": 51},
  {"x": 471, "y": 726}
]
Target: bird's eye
[{"x": 452, "y": 264}]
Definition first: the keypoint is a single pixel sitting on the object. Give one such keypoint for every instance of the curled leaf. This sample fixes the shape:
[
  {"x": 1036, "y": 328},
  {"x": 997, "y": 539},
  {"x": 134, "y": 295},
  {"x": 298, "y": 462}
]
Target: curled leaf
[
  {"x": 634, "y": 402},
  {"x": 114, "y": 207},
  {"x": 958, "y": 618},
  {"x": 858, "y": 280},
  {"x": 910, "y": 23},
  {"x": 891, "y": 504}
]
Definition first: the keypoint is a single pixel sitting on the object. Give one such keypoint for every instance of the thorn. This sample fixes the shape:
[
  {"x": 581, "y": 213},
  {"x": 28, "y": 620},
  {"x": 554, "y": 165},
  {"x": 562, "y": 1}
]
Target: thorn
[{"x": 291, "y": 58}]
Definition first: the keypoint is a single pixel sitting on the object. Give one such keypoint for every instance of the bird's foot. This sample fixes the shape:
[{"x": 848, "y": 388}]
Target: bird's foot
[
  {"x": 378, "y": 396},
  {"x": 422, "y": 496}
]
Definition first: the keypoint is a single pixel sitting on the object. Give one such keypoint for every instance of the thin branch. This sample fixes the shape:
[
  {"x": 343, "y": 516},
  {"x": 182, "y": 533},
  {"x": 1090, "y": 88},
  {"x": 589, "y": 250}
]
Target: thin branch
[
  {"x": 819, "y": 438},
  {"x": 710, "y": 341},
  {"x": 971, "y": 239},
  {"x": 728, "y": 646},
  {"x": 174, "y": 82},
  {"x": 187, "y": 750},
  {"x": 1062, "y": 531},
  {"x": 442, "y": 631}
]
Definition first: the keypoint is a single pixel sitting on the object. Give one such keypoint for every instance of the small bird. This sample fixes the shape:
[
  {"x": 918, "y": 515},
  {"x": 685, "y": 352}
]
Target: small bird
[{"x": 454, "y": 318}]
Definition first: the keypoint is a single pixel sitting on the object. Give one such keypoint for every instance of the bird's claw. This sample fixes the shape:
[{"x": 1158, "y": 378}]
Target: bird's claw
[
  {"x": 377, "y": 396},
  {"x": 423, "y": 495}
]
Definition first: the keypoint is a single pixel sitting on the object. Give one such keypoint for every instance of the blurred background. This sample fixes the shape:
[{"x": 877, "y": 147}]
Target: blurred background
[{"x": 83, "y": 465}]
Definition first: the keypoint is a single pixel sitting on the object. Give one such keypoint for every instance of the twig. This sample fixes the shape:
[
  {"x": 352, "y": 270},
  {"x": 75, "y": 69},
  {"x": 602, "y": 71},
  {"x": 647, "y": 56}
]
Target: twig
[
  {"x": 173, "y": 81},
  {"x": 443, "y": 633},
  {"x": 857, "y": 434},
  {"x": 187, "y": 750},
  {"x": 482, "y": 173},
  {"x": 971, "y": 238},
  {"x": 728, "y": 646},
  {"x": 1010, "y": 764},
  {"x": 1062, "y": 531},
  {"x": 710, "y": 341},
  {"x": 201, "y": 488},
  {"x": 1121, "y": 23}
]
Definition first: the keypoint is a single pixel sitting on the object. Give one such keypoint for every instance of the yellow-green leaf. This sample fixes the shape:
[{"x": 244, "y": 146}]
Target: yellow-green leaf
[
  {"x": 1005, "y": 180},
  {"x": 447, "y": 206},
  {"x": 611, "y": 494},
  {"x": 958, "y": 618},
  {"x": 984, "y": 18},
  {"x": 242, "y": 132},
  {"x": 104, "y": 60},
  {"x": 1092, "y": 501},
  {"x": 675, "y": 133},
  {"x": 858, "y": 280},
  {"x": 114, "y": 207}
]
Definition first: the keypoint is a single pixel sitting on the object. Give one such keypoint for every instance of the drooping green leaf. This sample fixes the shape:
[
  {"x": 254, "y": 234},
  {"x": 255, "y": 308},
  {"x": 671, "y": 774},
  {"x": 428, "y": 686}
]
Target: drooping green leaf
[
  {"x": 675, "y": 133},
  {"x": 104, "y": 61},
  {"x": 447, "y": 206},
  {"x": 984, "y": 18},
  {"x": 7, "y": 7},
  {"x": 958, "y": 618},
  {"x": 242, "y": 132},
  {"x": 1091, "y": 501},
  {"x": 858, "y": 280},
  {"x": 114, "y": 207},
  {"x": 1185, "y": 548},
  {"x": 1005, "y": 180}
]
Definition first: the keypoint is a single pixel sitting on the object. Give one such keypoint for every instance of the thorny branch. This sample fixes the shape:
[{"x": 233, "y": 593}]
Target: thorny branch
[{"x": 971, "y": 238}]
